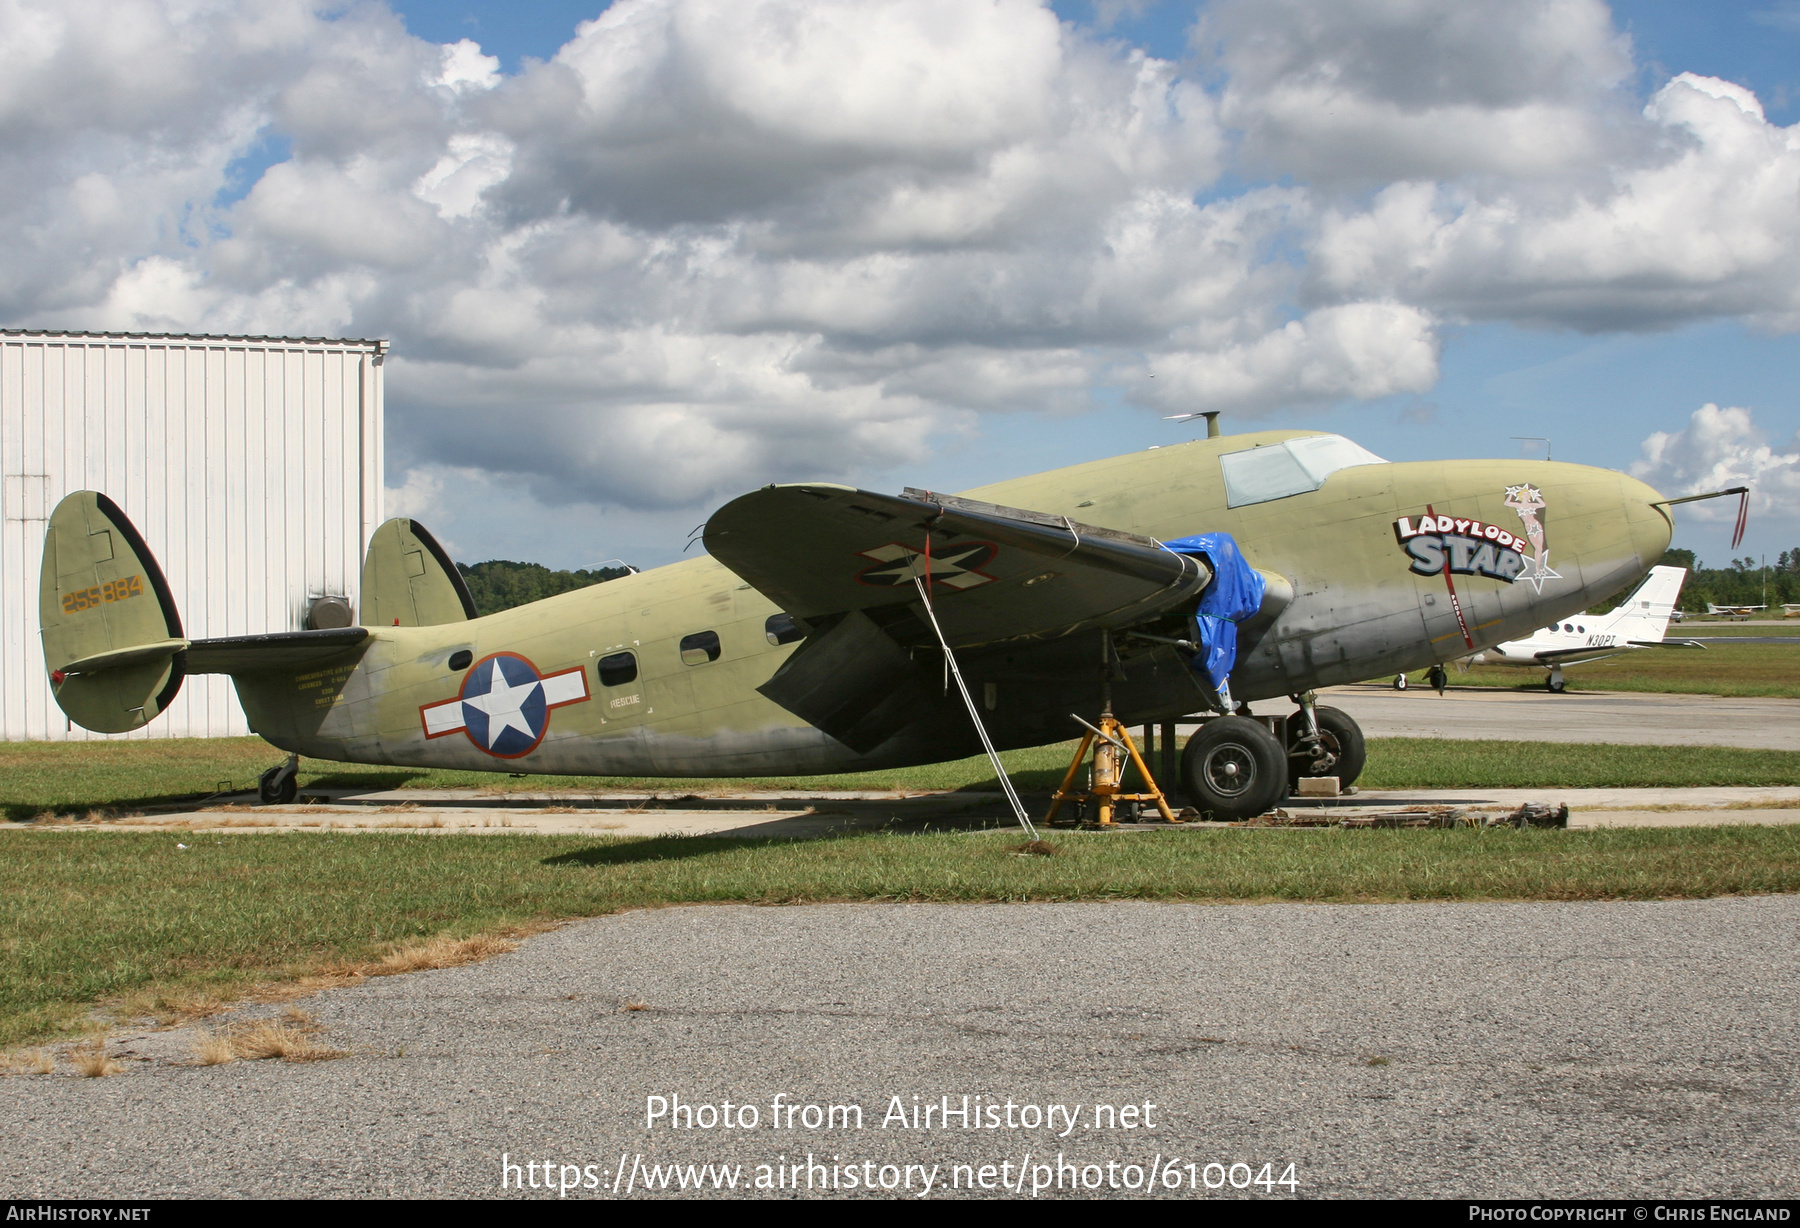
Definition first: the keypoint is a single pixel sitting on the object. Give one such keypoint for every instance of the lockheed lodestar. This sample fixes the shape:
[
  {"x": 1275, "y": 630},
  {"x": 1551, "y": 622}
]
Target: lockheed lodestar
[{"x": 822, "y": 632}]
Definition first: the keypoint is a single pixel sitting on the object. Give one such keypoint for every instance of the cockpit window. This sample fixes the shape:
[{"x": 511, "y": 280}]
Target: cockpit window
[{"x": 1293, "y": 467}]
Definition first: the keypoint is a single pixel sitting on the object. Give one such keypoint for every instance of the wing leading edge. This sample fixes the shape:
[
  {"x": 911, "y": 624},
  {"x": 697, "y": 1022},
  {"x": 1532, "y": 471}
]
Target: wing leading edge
[{"x": 997, "y": 573}]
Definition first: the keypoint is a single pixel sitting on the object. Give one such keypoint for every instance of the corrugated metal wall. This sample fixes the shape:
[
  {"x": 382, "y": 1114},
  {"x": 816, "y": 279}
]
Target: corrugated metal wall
[{"x": 251, "y": 465}]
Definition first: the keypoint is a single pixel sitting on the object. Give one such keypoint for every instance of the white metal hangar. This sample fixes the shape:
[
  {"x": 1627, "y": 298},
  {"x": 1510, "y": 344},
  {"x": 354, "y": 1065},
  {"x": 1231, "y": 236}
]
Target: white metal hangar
[{"x": 251, "y": 466}]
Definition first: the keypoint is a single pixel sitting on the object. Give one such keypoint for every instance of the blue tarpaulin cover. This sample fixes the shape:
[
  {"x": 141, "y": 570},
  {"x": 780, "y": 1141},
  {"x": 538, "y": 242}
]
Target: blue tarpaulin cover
[{"x": 1236, "y": 592}]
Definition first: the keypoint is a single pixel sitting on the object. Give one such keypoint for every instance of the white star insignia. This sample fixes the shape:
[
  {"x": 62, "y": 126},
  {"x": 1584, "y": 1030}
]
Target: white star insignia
[{"x": 502, "y": 704}]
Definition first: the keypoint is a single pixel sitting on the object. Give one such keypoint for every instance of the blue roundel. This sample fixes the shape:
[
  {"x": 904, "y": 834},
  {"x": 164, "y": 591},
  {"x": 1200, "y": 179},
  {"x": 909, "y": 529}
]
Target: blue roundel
[{"x": 503, "y": 706}]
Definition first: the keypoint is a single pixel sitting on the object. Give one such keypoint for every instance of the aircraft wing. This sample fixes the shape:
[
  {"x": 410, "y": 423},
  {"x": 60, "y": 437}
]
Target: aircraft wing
[
  {"x": 1575, "y": 656},
  {"x": 996, "y": 573}
]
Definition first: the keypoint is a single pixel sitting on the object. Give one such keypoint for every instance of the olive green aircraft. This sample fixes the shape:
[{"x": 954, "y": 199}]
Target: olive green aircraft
[{"x": 819, "y": 634}]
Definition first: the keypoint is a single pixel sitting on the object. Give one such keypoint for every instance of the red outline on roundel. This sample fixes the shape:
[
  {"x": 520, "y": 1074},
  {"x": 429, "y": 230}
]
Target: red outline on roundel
[
  {"x": 993, "y": 553},
  {"x": 463, "y": 729}
]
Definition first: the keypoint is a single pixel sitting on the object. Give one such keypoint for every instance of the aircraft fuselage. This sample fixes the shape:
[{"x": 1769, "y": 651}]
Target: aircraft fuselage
[{"x": 1391, "y": 567}]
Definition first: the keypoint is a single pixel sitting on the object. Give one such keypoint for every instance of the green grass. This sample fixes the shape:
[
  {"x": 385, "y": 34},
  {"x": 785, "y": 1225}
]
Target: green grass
[
  {"x": 1413, "y": 763},
  {"x": 90, "y": 917},
  {"x": 75, "y": 777},
  {"x": 1749, "y": 670}
]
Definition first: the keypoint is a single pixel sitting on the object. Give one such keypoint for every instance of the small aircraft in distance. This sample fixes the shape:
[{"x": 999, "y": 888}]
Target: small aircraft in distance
[
  {"x": 823, "y": 629},
  {"x": 1639, "y": 622},
  {"x": 1733, "y": 611}
]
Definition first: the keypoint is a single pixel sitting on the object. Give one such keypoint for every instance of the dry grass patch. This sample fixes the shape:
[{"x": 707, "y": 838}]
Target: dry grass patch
[
  {"x": 440, "y": 952},
  {"x": 91, "y": 1061},
  {"x": 294, "y": 1037},
  {"x": 212, "y": 1049},
  {"x": 37, "y": 1061},
  {"x": 632, "y": 1004}
]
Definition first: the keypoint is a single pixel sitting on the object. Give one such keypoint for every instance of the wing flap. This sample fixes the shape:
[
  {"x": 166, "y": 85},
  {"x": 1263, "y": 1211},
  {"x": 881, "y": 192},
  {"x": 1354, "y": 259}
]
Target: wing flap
[{"x": 996, "y": 573}]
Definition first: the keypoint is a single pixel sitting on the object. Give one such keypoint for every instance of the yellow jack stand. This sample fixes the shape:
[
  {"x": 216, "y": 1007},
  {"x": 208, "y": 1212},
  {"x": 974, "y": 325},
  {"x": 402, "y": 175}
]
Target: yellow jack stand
[{"x": 1111, "y": 743}]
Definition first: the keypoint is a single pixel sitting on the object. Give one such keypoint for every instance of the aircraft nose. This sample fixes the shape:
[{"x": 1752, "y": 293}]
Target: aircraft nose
[{"x": 1648, "y": 523}]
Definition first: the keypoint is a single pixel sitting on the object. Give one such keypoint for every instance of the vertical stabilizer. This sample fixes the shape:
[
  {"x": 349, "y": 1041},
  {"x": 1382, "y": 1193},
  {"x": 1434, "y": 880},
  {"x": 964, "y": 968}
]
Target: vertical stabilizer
[
  {"x": 408, "y": 580},
  {"x": 1644, "y": 616},
  {"x": 111, "y": 634}
]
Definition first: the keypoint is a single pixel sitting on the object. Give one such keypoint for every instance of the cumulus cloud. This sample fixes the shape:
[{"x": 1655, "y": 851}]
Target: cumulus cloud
[
  {"x": 1706, "y": 228},
  {"x": 1364, "y": 350},
  {"x": 712, "y": 243},
  {"x": 1720, "y": 448},
  {"x": 1369, "y": 91}
]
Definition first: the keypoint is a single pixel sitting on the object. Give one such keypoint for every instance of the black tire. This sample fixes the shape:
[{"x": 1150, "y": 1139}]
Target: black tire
[
  {"x": 1555, "y": 685},
  {"x": 1342, "y": 738},
  {"x": 1399, "y": 682},
  {"x": 278, "y": 786},
  {"x": 1233, "y": 768}
]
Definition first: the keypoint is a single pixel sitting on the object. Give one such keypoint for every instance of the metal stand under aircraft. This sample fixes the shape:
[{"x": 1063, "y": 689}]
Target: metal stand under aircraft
[{"x": 1112, "y": 745}]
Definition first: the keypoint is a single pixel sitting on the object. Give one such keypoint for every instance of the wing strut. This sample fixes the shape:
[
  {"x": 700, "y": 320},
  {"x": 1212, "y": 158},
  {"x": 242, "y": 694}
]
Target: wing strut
[{"x": 1012, "y": 794}]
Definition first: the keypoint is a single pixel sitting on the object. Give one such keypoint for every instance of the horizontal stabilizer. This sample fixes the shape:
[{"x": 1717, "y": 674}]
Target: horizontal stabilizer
[
  {"x": 121, "y": 658},
  {"x": 249, "y": 654}
]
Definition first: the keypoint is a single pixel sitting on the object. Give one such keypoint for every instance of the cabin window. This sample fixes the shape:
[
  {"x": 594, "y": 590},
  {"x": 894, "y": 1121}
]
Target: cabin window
[
  {"x": 780, "y": 629},
  {"x": 699, "y": 648},
  {"x": 618, "y": 669},
  {"x": 1293, "y": 467},
  {"x": 461, "y": 659}
]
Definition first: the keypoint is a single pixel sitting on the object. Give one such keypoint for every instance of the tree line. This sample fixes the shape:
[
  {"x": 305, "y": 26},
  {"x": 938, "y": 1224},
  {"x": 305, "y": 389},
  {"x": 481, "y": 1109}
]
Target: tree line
[
  {"x": 1741, "y": 582},
  {"x": 501, "y": 584}
]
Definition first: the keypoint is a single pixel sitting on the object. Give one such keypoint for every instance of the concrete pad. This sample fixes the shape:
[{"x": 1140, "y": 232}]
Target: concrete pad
[
  {"x": 1618, "y": 717},
  {"x": 754, "y": 816},
  {"x": 1679, "y": 818}
]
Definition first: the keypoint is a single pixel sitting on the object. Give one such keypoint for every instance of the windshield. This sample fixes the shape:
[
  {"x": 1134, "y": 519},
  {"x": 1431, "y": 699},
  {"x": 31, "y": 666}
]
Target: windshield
[{"x": 1293, "y": 467}]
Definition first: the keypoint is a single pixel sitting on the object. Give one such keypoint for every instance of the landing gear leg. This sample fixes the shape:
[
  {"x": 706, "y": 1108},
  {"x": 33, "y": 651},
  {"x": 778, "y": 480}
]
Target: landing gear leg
[
  {"x": 1324, "y": 742},
  {"x": 1555, "y": 681},
  {"x": 281, "y": 783}
]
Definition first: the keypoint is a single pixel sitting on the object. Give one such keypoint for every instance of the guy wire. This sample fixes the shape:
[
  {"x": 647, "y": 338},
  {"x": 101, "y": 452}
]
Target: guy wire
[{"x": 987, "y": 744}]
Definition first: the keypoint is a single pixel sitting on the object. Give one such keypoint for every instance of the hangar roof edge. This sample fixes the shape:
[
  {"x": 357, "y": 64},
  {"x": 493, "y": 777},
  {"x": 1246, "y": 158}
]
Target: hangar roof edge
[{"x": 375, "y": 343}]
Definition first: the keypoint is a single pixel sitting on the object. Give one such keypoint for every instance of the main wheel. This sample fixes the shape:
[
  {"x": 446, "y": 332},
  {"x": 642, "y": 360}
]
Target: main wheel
[
  {"x": 1399, "y": 682},
  {"x": 1233, "y": 768},
  {"x": 1556, "y": 685},
  {"x": 1342, "y": 740}
]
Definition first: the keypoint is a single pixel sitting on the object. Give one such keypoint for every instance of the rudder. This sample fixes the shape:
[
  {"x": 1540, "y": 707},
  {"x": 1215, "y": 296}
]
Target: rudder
[
  {"x": 408, "y": 580},
  {"x": 111, "y": 634}
]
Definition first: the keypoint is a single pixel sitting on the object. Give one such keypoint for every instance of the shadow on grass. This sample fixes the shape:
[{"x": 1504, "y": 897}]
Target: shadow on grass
[
  {"x": 396, "y": 778},
  {"x": 24, "y": 812},
  {"x": 666, "y": 848}
]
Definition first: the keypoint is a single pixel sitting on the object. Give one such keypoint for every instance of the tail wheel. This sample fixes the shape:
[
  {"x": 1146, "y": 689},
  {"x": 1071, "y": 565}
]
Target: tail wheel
[
  {"x": 278, "y": 786},
  {"x": 1233, "y": 768},
  {"x": 1339, "y": 737}
]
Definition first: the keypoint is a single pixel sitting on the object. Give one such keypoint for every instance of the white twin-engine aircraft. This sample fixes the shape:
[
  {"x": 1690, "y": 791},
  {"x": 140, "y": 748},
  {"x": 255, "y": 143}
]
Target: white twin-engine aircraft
[{"x": 1639, "y": 622}]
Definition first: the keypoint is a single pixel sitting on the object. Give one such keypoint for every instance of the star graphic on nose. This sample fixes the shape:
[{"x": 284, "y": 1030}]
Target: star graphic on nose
[{"x": 502, "y": 704}]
